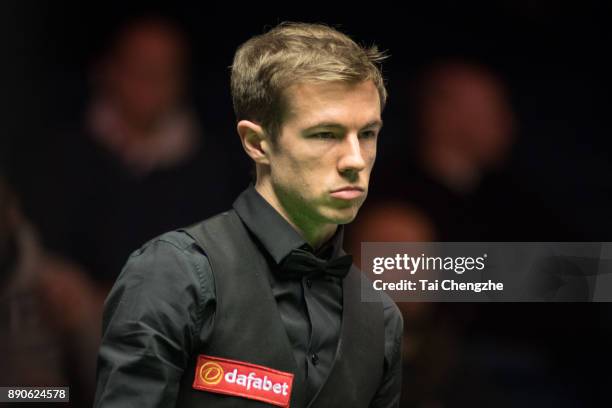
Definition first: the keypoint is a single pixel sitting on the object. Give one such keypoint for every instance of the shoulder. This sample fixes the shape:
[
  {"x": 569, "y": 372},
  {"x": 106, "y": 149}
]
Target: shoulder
[
  {"x": 171, "y": 248},
  {"x": 177, "y": 240},
  {"x": 166, "y": 275},
  {"x": 167, "y": 265}
]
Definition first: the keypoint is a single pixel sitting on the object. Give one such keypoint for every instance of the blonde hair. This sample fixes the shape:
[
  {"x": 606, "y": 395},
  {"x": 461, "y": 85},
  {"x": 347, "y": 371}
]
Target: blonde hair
[{"x": 291, "y": 53}]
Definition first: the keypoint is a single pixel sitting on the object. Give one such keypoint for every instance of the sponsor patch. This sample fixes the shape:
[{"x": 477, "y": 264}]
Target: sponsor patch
[{"x": 242, "y": 379}]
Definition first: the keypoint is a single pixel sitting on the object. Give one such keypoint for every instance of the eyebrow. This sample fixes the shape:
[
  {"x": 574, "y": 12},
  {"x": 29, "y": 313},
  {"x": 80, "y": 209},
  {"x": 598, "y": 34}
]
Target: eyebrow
[{"x": 374, "y": 123}]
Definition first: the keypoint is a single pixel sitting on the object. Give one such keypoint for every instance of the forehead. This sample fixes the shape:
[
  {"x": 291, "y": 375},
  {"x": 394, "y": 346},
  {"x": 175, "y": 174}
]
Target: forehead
[
  {"x": 152, "y": 40},
  {"x": 332, "y": 102}
]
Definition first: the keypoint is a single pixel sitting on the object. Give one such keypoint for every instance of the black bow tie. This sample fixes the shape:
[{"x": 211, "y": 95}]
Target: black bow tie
[{"x": 300, "y": 263}]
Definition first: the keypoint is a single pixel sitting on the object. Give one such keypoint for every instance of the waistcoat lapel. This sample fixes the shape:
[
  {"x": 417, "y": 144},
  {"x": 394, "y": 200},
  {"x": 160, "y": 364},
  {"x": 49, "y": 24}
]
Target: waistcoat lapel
[{"x": 358, "y": 364}]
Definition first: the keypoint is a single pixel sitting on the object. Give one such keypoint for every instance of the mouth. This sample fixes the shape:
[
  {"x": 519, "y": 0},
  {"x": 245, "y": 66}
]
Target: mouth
[{"x": 348, "y": 193}]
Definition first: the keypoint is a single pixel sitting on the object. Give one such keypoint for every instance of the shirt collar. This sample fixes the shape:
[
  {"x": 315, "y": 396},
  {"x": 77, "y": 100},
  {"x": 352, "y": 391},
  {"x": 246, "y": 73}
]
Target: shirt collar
[{"x": 276, "y": 235}]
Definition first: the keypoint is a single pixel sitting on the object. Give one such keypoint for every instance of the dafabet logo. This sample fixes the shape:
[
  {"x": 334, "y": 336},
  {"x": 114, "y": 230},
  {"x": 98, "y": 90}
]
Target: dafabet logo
[
  {"x": 237, "y": 378},
  {"x": 211, "y": 373}
]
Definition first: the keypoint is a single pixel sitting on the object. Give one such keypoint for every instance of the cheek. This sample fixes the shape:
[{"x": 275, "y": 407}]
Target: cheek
[
  {"x": 310, "y": 175},
  {"x": 307, "y": 178},
  {"x": 290, "y": 172},
  {"x": 302, "y": 162},
  {"x": 370, "y": 156}
]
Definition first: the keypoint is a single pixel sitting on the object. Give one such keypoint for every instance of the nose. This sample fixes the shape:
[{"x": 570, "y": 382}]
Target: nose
[{"x": 352, "y": 160}]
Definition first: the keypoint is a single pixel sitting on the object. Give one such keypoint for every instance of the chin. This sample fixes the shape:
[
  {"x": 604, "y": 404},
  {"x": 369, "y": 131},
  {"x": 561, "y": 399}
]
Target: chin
[{"x": 342, "y": 216}]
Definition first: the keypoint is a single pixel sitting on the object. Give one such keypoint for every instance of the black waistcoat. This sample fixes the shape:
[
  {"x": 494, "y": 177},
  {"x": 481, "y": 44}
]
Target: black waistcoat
[{"x": 248, "y": 326}]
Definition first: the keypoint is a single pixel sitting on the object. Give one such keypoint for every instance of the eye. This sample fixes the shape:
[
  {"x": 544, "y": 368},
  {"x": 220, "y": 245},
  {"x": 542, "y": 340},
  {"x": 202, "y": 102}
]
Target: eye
[
  {"x": 368, "y": 134},
  {"x": 324, "y": 135}
]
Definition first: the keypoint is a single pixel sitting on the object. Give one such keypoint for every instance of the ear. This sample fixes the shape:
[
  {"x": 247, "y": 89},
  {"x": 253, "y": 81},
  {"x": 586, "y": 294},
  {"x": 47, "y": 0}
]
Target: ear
[{"x": 254, "y": 141}]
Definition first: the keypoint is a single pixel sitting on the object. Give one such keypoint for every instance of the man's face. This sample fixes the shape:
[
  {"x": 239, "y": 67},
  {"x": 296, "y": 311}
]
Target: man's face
[
  {"x": 146, "y": 72},
  {"x": 320, "y": 165}
]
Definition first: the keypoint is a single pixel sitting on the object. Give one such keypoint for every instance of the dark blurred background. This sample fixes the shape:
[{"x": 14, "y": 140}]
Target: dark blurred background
[{"x": 118, "y": 126}]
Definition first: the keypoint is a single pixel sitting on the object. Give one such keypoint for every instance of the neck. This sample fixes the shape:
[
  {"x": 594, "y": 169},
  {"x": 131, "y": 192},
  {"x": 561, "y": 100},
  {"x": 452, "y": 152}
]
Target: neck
[{"x": 316, "y": 234}]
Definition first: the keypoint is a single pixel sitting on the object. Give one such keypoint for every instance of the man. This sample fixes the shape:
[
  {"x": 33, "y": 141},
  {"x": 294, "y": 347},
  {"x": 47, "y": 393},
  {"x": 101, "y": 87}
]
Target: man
[
  {"x": 260, "y": 305},
  {"x": 140, "y": 137}
]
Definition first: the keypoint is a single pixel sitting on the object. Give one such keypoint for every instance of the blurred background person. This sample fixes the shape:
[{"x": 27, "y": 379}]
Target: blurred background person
[
  {"x": 49, "y": 312},
  {"x": 457, "y": 174},
  {"x": 140, "y": 163},
  {"x": 138, "y": 111}
]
